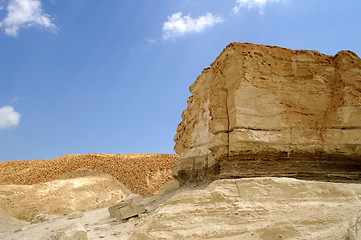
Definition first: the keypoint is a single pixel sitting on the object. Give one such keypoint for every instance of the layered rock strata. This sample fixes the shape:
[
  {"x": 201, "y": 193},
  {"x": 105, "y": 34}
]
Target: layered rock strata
[
  {"x": 269, "y": 111},
  {"x": 258, "y": 208}
]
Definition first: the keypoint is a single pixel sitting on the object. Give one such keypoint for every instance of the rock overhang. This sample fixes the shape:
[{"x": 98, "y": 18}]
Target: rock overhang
[{"x": 270, "y": 111}]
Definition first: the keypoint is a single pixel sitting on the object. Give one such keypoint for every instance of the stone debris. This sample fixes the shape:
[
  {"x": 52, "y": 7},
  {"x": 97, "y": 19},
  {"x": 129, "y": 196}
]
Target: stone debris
[
  {"x": 76, "y": 232},
  {"x": 40, "y": 218},
  {"x": 128, "y": 207},
  {"x": 75, "y": 215}
]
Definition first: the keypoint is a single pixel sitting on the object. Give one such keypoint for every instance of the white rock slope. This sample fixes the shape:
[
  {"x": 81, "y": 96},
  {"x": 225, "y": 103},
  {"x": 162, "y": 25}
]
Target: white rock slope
[{"x": 259, "y": 208}]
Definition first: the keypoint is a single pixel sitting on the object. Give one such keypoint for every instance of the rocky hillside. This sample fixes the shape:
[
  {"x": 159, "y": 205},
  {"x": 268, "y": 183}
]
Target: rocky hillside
[
  {"x": 141, "y": 173},
  {"x": 270, "y": 111},
  {"x": 78, "y": 191}
]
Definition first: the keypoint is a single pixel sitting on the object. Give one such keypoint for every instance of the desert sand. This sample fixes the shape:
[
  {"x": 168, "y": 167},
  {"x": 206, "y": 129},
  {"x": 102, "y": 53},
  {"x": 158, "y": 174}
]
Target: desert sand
[{"x": 141, "y": 173}]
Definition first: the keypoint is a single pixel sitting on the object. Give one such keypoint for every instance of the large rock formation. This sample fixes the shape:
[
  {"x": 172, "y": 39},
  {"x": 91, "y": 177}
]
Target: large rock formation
[{"x": 270, "y": 111}]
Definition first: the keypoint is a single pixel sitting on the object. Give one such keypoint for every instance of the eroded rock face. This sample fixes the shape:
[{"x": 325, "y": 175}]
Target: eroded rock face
[
  {"x": 270, "y": 111},
  {"x": 258, "y": 208}
]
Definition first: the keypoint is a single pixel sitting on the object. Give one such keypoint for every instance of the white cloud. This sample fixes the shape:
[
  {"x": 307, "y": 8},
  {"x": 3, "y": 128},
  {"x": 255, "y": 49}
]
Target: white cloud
[
  {"x": 178, "y": 25},
  {"x": 151, "y": 41},
  {"x": 25, "y": 13},
  {"x": 8, "y": 117},
  {"x": 251, "y": 3}
]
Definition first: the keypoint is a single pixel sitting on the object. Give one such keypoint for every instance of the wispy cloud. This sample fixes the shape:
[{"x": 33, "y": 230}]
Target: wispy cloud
[
  {"x": 178, "y": 25},
  {"x": 26, "y": 13},
  {"x": 8, "y": 117},
  {"x": 151, "y": 41},
  {"x": 251, "y": 3}
]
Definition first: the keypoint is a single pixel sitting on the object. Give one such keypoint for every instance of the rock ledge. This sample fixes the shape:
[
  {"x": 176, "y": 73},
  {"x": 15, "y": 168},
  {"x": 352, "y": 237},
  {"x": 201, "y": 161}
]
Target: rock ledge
[{"x": 270, "y": 111}]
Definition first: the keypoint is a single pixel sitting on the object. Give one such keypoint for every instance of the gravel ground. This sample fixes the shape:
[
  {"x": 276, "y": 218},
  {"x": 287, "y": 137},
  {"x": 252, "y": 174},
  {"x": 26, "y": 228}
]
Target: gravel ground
[{"x": 141, "y": 173}]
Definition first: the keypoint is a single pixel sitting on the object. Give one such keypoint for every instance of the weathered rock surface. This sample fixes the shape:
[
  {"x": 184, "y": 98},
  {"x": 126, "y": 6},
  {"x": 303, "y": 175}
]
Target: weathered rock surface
[
  {"x": 258, "y": 208},
  {"x": 249, "y": 208},
  {"x": 76, "y": 232},
  {"x": 128, "y": 207},
  {"x": 42, "y": 217},
  {"x": 96, "y": 223},
  {"x": 270, "y": 111},
  {"x": 169, "y": 187},
  {"x": 93, "y": 190},
  {"x": 9, "y": 225}
]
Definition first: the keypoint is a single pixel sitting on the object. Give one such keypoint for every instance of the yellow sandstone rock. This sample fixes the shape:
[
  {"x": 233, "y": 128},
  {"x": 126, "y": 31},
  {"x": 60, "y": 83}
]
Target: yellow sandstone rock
[{"x": 270, "y": 111}]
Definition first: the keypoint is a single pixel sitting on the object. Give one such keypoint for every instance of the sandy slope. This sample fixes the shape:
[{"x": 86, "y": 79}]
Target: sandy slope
[
  {"x": 141, "y": 173},
  {"x": 82, "y": 190}
]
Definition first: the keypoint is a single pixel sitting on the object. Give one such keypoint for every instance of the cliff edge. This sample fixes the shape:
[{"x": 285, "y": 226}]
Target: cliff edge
[{"x": 270, "y": 111}]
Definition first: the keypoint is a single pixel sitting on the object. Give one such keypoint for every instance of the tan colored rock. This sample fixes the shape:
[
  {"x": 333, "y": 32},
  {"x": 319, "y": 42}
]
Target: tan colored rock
[
  {"x": 270, "y": 111},
  {"x": 258, "y": 208},
  {"x": 169, "y": 187},
  {"x": 9, "y": 225},
  {"x": 128, "y": 207},
  {"x": 75, "y": 215},
  {"x": 76, "y": 232},
  {"x": 40, "y": 218}
]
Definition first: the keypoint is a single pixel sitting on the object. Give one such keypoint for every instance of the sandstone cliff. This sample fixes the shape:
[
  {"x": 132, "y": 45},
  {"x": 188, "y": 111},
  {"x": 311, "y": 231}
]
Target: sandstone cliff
[{"x": 270, "y": 111}]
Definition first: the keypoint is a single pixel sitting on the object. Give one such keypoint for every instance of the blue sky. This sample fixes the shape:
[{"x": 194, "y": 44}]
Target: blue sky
[{"x": 112, "y": 76}]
